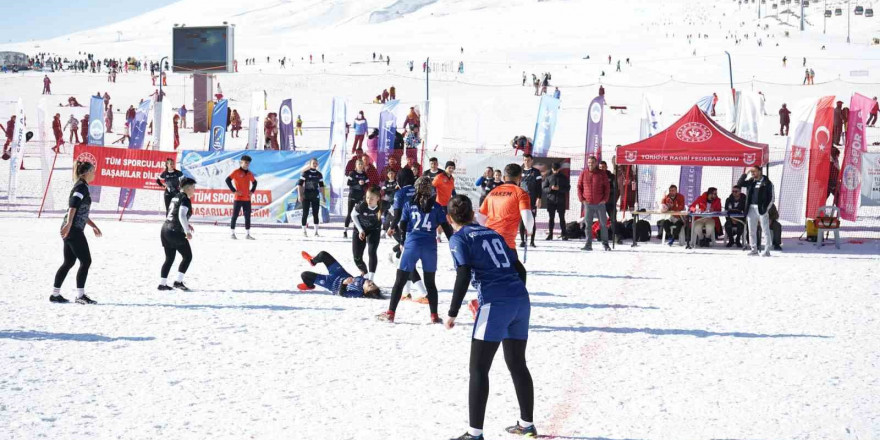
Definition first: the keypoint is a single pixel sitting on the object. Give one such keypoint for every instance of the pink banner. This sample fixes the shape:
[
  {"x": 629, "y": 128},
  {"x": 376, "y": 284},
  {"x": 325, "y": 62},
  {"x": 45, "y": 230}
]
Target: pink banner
[{"x": 851, "y": 173}]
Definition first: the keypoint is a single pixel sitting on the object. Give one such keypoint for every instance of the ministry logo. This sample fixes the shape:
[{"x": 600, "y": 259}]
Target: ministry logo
[{"x": 693, "y": 132}]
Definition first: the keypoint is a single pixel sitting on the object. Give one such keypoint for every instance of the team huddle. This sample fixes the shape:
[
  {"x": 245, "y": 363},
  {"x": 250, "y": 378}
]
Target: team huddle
[{"x": 482, "y": 244}]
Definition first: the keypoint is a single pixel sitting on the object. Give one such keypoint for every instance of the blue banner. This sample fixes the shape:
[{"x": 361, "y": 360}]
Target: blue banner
[
  {"x": 338, "y": 118},
  {"x": 387, "y": 136},
  {"x": 689, "y": 182},
  {"x": 218, "y": 126},
  {"x": 139, "y": 125},
  {"x": 595, "y": 122},
  {"x": 276, "y": 199},
  {"x": 96, "y": 122},
  {"x": 285, "y": 126},
  {"x": 545, "y": 125},
  {"x": 705, "y": 104}
]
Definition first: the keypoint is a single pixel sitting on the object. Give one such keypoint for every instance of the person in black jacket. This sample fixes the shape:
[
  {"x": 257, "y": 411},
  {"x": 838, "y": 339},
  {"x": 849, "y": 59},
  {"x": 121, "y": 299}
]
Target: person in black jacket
[
  {"x": 735, "y": 204},
  {"x": 311, "y": 192},
  {"x": 760, "y": 197},
  {"x": 170, "y": 179},
  {"x": 556, "y": 188},
  {"x": 357, "y": 186},
  {"x": 532, "y": 183}
]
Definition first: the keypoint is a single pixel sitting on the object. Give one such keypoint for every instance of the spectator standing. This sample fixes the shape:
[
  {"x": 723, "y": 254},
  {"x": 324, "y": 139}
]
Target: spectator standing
[{"x": 593, "y": 192}]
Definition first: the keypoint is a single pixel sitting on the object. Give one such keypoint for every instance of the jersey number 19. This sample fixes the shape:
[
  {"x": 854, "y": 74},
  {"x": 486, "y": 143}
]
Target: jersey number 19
[{"x": 496, "y": 250}]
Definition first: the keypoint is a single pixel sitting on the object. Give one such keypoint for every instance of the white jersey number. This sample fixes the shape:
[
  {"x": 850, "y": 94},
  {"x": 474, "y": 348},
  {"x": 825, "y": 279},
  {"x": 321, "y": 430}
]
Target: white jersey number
[{"x": 497, "y": 252}]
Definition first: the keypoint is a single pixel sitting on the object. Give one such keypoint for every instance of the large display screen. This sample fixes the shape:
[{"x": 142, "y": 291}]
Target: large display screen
[{"x": 207, "y": 49}]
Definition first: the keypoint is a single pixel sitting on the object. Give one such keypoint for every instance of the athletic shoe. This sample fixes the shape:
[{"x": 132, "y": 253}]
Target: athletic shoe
[
  {"x": 522, "y": 244},
  {"x": 530, "y": 432},
  {"x": 564, "y": 238},
  {"x": 474, "y": 306},
  {"x": 58, "y": 299},
  {"x": 249, "y": 237},
  {"x": 303, "y": 286},
  {"x": 234, "y": 237},
  {"x": 421, "y": 300},
  {"x": 533, "y": 243},
  {"x": 549, "y": 238},
  {"x": 468, "y": 436},
  {"x": 754, "y": 253},
  {"x": 179, "y": 285},
  {"x": 435, "y": 319},
  {"x": 85, "y": 300},
  {"x": 307, "y": 257},
  {"x": 671, "y": 240},
  {"x": 776, "y": 247},
  {"x": 587, "y": 247},
  {"x": 406, "y": 297},
  {"x": 165, "y": 287},
  {"x": 387, "y": 316},
  {"x": 305, "y": 232},
  {"x": 729, "y": 244},
  {"x": 605, "y": 245},
  {"x": 317, "y": 234},
  {"x": 345, "y": 233},
  {"x": 766, "y": 253}
]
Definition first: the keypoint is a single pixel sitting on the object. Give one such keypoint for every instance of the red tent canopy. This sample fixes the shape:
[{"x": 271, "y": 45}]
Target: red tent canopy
[{"x": 694, "y": 140}]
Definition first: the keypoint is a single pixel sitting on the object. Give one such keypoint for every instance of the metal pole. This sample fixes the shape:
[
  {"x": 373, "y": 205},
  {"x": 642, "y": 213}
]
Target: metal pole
[
  {"x": 802, "y": 14},
  {"x": 730, "y": 67},
  {"x": 848, "y": 17}
]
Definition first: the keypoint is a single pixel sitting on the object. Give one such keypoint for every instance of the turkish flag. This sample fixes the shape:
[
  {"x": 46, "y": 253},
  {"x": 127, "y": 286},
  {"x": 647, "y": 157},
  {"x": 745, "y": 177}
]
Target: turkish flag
[{"x": 820, "y": 156}]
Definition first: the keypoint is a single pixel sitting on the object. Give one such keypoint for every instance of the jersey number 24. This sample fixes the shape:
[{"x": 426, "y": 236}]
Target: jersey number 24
[
  {"x": 496, "y": 252},
  {"x": 425, "y": 222}
]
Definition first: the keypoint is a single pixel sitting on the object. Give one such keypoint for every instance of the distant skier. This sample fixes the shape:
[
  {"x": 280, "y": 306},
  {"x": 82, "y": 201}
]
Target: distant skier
[
  {"x": 556, "y": 93},
  {"x": 58, "y": 132},
  {"x": 299, "y": 126},
  {"x": 73, "y": 123}
]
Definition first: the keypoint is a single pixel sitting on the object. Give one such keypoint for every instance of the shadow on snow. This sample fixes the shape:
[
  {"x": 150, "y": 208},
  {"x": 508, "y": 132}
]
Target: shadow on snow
[
  {"x": 77, "y": 337},
  {"x": 669, "y": 332}
]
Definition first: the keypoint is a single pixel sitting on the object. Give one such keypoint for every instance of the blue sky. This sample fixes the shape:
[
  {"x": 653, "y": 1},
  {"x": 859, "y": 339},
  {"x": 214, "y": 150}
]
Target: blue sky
[{"x": 42, "y": 19}]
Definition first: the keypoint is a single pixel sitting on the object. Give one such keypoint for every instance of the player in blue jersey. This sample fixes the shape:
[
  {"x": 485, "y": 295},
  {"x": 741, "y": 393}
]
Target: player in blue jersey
[
  {"x": 419, "y": 219},
  {"x": 338, "y": 280},
  {"x": 482, "y": 258},
  {"x": 405, "y": 180}
]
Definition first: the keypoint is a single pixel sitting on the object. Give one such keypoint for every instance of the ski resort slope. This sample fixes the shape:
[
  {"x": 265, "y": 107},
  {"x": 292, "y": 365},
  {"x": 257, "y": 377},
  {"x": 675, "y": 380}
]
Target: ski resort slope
[{"x": 651, "y": 343}]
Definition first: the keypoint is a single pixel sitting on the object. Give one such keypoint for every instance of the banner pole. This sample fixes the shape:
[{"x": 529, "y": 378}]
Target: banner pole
[
  {"x": 127, "y": 200},
  {"x": 48, "y": 183}
]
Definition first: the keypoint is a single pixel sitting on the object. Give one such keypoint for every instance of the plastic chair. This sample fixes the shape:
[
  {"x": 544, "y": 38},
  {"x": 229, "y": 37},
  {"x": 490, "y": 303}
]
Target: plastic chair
[{"x": 828, "y": 219}]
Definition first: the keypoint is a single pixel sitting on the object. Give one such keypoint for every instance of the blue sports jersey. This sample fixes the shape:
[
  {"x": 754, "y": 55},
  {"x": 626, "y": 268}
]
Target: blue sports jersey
[
  {"x": 421, "y": 227},
  {"x": 354, "y": 289},
  {"x": 492, "y": 263},
  {"x": 333, "y": 282},
  {"x": 402, "y": 196}
]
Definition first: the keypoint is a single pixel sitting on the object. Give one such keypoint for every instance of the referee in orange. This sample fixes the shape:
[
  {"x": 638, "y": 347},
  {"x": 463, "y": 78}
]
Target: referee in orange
[
  {"x": 242, "y": 183},
  {"x": 503, "y": 209}
]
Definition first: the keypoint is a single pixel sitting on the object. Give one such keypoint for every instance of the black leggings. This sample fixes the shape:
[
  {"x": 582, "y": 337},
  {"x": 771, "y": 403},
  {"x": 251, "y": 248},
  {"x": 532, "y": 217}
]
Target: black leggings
[
  {"x": 171, "y": 250},
  {"x": 322, "y": 257},
  {"x": 351, "y": 205},
  {"x": 554, "y": 209},
  {"x": 402, "y": 278},
  {"x": 75, "y": 248},
  {"x": 168, "y": 197},
  {"x": 315, "y": 205},
  {"x": 371, "y": 244},
  {"x": 482, "y": 353},
  {"x": 241, "y": 206}
]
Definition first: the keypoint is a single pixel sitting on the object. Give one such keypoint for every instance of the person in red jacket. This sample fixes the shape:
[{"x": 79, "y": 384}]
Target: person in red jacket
[
  {"x": 672, "y": 202},
  {"x": 58, "y": 132},
  {"x": 47, "y": 85},
  {"x": 872, "y": 119},
  {"x": 593, "y": 191},
  {"x": 707, "y": 202},
  {"x": 10, "y": 129},
  {"x": 84, "y": 129}
]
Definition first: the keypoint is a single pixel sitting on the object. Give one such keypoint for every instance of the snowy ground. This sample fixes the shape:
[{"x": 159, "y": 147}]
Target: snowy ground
[{"x": 654, "y": 343}]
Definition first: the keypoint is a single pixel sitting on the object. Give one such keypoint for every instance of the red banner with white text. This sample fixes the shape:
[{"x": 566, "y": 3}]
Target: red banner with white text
[{"x": 123, "y": 167}]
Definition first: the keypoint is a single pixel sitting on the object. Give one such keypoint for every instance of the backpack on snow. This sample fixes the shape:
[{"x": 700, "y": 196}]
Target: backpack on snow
[{"x": 575, "y": 230}]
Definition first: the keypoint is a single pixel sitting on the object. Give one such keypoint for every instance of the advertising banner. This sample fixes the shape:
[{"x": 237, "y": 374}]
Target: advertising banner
[
  {"x": 96, "y": 121},
  {"x": 850, "y": 177},
  {"x": 595, "y": 120},
  {"x": 871, "y": 179},
  {"x": 387, "y": 136},
  {"x": 285, "y": 116},
  {"x": 790, "y": 196},
  {"x": 123, "y": 168},
  {"x": 545, "y": 125},
  {"x": 277, "y": 172},
  {"x": 16, "y": 151},
  {"x": 218, "y": 126},
  {"x": 820, "y": 156}
]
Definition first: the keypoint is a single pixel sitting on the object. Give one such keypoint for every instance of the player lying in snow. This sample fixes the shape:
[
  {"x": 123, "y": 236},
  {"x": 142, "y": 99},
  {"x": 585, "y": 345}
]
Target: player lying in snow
[{"x": 338, "y": 280}]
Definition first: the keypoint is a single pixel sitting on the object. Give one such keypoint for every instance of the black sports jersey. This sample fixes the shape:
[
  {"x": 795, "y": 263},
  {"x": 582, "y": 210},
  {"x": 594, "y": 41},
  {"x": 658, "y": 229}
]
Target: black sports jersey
[
  {"x": 172, "y": 220},
  {"x": 312, "y": 182},
  {"x": 389, "y": 188},
  {"x": 368, "y": 217},
  {"x": 532, "y": 182},
  {"x": 432, "y": 174},
  {"x": 356, "y": 190},
  {"x": 171, "y": 180},
  {"x": 82, "y": 201}
]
